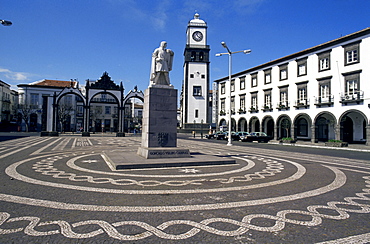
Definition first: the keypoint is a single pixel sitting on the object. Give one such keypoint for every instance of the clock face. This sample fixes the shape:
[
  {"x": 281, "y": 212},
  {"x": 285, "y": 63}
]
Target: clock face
[{"x": 197, "y": 36}]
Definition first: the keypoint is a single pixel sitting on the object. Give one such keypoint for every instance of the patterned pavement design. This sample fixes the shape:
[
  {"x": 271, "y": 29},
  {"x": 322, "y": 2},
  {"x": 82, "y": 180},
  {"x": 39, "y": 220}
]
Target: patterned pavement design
[{"x": 74, "y": 166}]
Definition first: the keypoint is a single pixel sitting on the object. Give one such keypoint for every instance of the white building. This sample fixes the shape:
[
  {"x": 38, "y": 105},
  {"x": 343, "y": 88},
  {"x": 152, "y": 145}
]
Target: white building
[
  {"x": 35, "y": 96},
  {"x": 195, "y": 109},
  {"x": 8, "y": 105},
  {"x": 317, "y": 94}
]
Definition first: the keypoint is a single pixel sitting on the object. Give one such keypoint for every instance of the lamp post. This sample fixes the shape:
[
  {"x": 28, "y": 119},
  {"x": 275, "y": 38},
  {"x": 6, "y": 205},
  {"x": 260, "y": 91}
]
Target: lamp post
[
  {"x": 5, "y": 22},
  {"x": 229, "y": 143}
]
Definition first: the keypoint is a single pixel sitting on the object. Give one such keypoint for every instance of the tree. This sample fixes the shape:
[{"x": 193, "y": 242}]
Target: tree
[
  {"x": 64, "y": 113},
  {"x": 25, "y": 110},
  {"x": 285, "y": 124}
]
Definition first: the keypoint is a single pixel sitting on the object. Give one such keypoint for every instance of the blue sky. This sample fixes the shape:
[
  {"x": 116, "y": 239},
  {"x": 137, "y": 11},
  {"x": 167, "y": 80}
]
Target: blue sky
[{"x": 81, "y": 39}]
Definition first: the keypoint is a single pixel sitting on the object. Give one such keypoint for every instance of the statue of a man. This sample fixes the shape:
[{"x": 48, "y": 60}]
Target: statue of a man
[{"x": 161, "y": 65}]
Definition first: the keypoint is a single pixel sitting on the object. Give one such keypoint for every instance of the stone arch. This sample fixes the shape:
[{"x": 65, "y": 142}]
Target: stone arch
[
  {"x": 302, "y": 127},
  {"x": 105, "y": 86},
  {"x": 222, "y": 124},
  {"x": 354, "y": 126},
  {"x": 242, "y": 124},
  {"x": 57, "y": 114},
  {"x": 254, "y": 124},
  {"x": 268, "y": 125},
  {"x": 325, "y": 127},
  {"x": 233, "y": 124},
  {"x": 283, "y": 126},
  {"x": 129, "y": 122}
]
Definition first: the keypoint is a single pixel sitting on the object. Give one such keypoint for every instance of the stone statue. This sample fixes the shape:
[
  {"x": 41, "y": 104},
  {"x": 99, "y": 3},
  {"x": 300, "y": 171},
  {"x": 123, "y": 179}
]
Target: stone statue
[{"x": 161, "y": 65}]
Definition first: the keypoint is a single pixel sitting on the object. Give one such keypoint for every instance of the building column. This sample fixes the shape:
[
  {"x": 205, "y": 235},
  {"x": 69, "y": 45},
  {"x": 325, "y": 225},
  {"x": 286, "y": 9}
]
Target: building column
[
  {"x": 86, "y": 118},
  {"x": 313, "y": 133},
  {"x": 368, "y": 135},
  {"x": 276, "y": 132},
  {"x": 292, "y": 131},
  {"x": 120, "y": 119},
  {"x": 337, "y": 129}
]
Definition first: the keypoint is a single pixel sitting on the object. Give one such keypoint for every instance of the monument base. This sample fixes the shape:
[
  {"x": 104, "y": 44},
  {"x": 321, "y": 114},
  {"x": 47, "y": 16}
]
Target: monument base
[{"x": 163, "y": 152}]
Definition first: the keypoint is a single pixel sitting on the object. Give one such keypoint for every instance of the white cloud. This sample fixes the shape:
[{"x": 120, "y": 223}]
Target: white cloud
[{"x": 14, "y": 76}]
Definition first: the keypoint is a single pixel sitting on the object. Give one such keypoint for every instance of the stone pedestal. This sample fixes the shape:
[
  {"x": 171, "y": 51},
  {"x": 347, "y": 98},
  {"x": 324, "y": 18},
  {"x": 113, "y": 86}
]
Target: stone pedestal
[{"x": 159, "y": 131}]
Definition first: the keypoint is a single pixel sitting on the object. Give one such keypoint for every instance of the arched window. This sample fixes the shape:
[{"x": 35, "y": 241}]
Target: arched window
[
  {"x": 302, "y": 127},
  {"x": 193, "y": 56},
  {"x": 201, "y": 56}
]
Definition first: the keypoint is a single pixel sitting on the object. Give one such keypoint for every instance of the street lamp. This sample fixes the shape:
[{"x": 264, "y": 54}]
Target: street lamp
[
  {"x": 229, "y": 143},
  {"x": 5, "y": 22}
]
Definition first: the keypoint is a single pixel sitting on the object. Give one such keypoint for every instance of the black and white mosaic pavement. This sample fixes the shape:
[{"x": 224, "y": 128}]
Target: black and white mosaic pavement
[{"x": 62, "y": 190}]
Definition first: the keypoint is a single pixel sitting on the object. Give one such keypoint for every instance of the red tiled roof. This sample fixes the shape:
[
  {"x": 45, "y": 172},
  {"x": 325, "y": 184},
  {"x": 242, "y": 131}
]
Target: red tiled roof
[{"x": 58, "y": 83}]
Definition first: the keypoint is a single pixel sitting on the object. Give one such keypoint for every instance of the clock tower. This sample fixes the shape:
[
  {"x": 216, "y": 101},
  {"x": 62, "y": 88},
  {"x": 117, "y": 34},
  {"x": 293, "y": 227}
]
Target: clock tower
[{"x": 195, "y": 101}]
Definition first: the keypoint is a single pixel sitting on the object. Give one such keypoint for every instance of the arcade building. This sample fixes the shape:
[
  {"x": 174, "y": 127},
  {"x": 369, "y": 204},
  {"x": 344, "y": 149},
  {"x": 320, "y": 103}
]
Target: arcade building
[{"x": 316, "y": 95}]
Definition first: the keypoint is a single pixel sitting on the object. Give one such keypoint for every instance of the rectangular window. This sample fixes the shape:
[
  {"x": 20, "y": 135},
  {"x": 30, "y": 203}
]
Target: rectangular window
[
  {"x": 283, "y": 72},
  {"x": 324, "y": 61},
  {"x": 302, "y": 67},
  {"x": 232, "y": 85},
  {"x": 352, "y": 84},
  {"x": 254, "y": 101},
  {"x": 203, "y": 76},
  {"x": 254, "y": 81},
  {"x": 233, "y": 104},
  {"x": 191, "y": 75},
  {"x": 324, "y": 91},
  {"x": 267, "y": 100},
  {"x": 284, "y": 96},
  {"x": 267, "y": 76},
  {"x": 197, "y": 91},
  {"x": 80, "y": 111},
  {"x": 222, "y": 107},
  {"x": 302, "y": 94},
  {"x": 107, "y": 109},
  {"x": 242, "y": 83},
  {"x": 352, "y": 53},
  {"x": 196, "y": 113},
  {"x": 242, "y": 102},
  {"x": 223, "y": 88},
  {"x": 34, "y": 99}
]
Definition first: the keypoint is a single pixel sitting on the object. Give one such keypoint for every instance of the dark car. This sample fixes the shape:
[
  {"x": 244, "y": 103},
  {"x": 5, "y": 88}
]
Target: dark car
[
  {"x": 243, "y": 135},
  {"x": 258, "y": 136},
  {"x": 220, "y": 135}
]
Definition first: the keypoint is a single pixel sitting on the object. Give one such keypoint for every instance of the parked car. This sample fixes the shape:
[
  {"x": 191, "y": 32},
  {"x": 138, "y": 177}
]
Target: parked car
[
  {"x": 234, "y": 136},
  {"x": 243, "y": 135},
  {"x": 221, "y": 135},
  {"x": 258, "y": 136}
]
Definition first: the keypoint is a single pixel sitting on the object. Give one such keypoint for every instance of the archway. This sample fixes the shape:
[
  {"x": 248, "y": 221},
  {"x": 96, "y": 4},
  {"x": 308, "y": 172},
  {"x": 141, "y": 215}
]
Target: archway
[
  {"x": 104, "y": 93},
  {"x": 268, "y": 126},
  {"x": 325, "y": 127},
  {"x": 103, "y": 112},
  {"x": 242, "y": 125},
  {"x": 302, "y": 127},
  {"x": 222, "y": 125},
  {"x": 353, "y": 127},
  {"x": 284, "y": 125},
  {"x": 233, "y": 124},
  {"x": 254, "y": 124},
  {"x": 132, "y": 116}
]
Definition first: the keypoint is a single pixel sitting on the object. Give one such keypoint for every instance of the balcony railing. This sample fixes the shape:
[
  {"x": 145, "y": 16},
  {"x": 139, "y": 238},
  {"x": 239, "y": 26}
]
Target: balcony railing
[
  {"x": 283, "y": 105},
  {"x": 267, "y": 107},
  {"x": 253, "y": 109},
  {"x": 327, "y": 100},
  {"x": 356, "y": 97},
  {"x": 302, "y": 103}
]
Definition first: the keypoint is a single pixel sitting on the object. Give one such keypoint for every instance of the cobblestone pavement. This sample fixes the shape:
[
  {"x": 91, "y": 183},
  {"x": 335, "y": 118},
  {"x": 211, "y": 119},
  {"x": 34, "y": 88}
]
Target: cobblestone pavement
[{"x": 61, "y": 190}]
